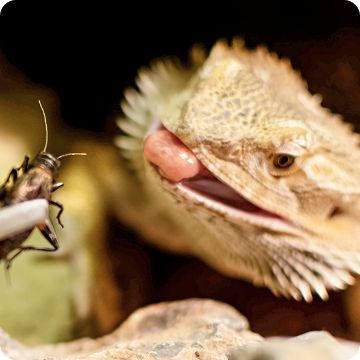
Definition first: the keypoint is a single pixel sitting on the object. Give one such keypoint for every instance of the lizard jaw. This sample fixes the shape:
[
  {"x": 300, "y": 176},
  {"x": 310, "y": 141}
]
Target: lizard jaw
[
  {"x": 242, "y": 211},
  {"x": 179, "y": 166}
]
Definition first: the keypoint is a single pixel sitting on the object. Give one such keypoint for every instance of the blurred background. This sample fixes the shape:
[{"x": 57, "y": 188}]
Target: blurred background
[
  {"x": 89, "y": 52},
  {"x": 78, "y": 58}
]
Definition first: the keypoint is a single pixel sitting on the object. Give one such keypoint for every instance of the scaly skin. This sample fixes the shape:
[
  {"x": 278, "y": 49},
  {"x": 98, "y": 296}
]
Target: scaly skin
[{"x": 237, "y": 111}]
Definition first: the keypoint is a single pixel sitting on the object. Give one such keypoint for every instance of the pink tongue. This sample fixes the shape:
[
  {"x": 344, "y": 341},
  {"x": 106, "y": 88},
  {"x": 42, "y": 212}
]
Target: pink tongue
[{"x": 175, "y": 161}]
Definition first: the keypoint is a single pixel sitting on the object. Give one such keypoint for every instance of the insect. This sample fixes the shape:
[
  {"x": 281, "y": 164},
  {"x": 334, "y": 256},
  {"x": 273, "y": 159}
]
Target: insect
[{"x": 35, "y": 179}]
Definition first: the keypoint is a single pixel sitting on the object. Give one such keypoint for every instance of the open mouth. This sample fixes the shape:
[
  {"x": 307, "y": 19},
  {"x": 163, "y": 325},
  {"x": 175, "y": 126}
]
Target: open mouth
[
  {"x": 179, "y": 165},
  {"x": 215, "y": 189}
]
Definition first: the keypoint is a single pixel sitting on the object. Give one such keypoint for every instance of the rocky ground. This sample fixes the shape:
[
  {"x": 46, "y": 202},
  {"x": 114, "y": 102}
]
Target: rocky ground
[{"x": 189, "y": 329}]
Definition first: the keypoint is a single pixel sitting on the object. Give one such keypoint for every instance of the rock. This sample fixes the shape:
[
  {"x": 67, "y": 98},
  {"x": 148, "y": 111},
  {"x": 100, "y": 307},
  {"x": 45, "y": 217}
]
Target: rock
[
  {"x": 189, "y": 329},
  {"x": 311, "y": 346}
]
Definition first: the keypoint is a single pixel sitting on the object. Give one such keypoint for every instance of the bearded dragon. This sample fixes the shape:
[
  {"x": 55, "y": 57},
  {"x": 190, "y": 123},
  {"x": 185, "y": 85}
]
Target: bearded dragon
[{"x": 238, "y": 164}]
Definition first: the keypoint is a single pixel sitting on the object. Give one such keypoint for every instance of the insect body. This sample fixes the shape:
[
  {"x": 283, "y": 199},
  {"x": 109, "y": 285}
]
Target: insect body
[{"x": 37, "y": 181}]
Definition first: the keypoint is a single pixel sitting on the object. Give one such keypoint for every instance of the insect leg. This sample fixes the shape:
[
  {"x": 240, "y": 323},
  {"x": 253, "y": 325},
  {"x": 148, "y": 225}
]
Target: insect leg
[
  {"x": 57, "y": 186},
  {"x": 61, "y": 207},
  {"x": 48, "y": 232},
  {"x": 14, "y": 172},
  {"x": 9, "y": 261},
  {"x": 25, "y": 164}
]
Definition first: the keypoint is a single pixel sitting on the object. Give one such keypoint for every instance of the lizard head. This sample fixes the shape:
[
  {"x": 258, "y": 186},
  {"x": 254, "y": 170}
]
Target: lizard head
[{"x": 246, "y": 144}]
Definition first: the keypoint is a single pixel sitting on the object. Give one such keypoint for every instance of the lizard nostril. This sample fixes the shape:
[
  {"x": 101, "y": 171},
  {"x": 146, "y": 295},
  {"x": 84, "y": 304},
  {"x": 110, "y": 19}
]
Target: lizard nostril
[{"x": 335, "y": 212}]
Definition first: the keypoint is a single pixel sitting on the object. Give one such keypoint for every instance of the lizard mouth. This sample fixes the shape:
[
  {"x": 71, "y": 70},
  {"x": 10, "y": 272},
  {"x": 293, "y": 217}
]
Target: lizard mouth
[{"x": 176, "y": 163}]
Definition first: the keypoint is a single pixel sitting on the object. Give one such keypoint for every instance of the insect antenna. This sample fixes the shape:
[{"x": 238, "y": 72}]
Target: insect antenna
[
  {"x": 47, "y": 137},
  {"x": 71, "y": 154},
  {"x": 46, "y": 127}
]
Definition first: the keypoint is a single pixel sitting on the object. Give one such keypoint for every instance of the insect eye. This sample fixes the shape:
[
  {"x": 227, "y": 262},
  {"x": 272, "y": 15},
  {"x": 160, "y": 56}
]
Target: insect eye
[{"x": 283, "y": 161}]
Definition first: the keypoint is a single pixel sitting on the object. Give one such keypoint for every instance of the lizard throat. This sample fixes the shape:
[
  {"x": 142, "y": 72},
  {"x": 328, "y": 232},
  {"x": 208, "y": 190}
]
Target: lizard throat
[{"x": 177, "y": 163}]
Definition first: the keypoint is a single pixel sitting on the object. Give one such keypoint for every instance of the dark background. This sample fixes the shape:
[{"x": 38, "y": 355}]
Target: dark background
[{"x": 88, "y": 53}]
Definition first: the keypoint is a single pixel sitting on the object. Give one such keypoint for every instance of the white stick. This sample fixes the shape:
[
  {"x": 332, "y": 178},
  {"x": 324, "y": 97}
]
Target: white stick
[
  {"x": 17, "y": 218},
  {"x": 3, "y": 356}
]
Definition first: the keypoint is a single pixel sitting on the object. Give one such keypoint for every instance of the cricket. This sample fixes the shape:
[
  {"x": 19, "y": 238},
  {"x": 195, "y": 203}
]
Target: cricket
[{"x": 35, "y": 179}]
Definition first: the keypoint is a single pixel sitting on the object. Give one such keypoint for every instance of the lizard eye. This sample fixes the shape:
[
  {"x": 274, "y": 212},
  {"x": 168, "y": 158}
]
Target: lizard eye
[{"x": 283, "y": 161}]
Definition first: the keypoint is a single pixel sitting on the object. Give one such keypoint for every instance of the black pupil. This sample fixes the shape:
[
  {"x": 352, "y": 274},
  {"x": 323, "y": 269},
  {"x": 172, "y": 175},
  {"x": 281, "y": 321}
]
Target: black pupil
[{"x": 284, "y": 160}]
